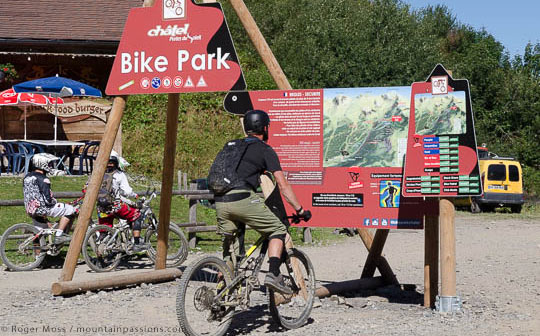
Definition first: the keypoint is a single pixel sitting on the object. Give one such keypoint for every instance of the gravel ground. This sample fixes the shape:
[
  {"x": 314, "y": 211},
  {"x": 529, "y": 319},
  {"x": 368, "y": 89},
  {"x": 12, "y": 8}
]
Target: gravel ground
[{"x": 498, "y": 276}]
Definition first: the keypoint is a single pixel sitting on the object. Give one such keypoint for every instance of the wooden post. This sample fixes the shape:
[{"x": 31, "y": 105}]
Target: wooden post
[
  {"x": 89, "y": 202},
  {"x": 431, "y": 260},
  {"x": 179, "y": 182},
  {"x": 192, "y": 236},
  {"x": 375, "y": 253},
  {"x": 381, "y": 263},
  {"x": 448, "y": 248},
  {"x": 306, "y": 235},
  {"x": 72, "y": 287},
  {"x": 260, "y": 44},
  {"x": 167, "y": 180}
]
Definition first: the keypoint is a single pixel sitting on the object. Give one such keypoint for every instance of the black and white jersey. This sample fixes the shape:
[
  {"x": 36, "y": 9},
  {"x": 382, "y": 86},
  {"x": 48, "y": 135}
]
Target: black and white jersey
[{"x": 38, "y": 198}]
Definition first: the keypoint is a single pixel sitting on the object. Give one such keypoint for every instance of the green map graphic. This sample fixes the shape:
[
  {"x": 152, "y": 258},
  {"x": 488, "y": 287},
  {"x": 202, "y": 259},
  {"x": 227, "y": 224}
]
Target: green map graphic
[
  {"x": 438, "y": 115},
  {"x": 365, "y": 127}
]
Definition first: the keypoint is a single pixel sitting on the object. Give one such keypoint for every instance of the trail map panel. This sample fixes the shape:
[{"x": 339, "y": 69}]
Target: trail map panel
[
  {"x": 175, "y": 46},
  {"x": 365, "y": 127},
  {"x": 342, "y": 151},
  {"x": 441, "y": 150}
]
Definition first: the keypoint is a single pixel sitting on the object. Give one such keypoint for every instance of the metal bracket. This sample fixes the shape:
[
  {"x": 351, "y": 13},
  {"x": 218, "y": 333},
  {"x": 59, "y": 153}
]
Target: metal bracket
[{"x": 448, "y": 304}]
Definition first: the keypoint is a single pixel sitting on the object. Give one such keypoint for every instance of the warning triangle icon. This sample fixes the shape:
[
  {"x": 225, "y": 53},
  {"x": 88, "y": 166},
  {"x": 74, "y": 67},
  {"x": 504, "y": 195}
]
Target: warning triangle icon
[
  {"x": 189, "y": 82},
  {"x": 201, "y": 82}
]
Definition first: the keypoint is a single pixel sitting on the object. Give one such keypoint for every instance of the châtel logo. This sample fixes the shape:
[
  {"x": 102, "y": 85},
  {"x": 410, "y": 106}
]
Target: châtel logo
[{"x": 174, "y": 9}]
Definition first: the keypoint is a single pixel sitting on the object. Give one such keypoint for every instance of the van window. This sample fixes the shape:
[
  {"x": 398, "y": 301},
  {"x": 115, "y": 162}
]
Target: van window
[
  {"x": 513, "y": 173},
  {"x": 497, "y": 172}
]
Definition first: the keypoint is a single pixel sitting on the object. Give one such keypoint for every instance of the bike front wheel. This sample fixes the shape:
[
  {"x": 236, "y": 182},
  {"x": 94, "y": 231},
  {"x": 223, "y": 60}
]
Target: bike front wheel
[
  {"x": 101, "y": 249},
  {"x": 292, "y": 311},
  {"x": 19, "y": 251},
  {"x": 177, "y": 247},
  {"x": 197, "y": 309}
]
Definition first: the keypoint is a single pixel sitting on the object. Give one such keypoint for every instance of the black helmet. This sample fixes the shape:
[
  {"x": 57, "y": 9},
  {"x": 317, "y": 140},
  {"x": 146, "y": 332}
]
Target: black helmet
[
  {"x": 257, "y": 122},
  {"x": 115, "y": 162}
]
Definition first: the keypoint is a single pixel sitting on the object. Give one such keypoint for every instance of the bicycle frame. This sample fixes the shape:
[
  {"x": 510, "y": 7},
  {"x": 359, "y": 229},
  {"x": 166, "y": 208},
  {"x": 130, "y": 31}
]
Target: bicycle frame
[{"x": 253, "y": 265}]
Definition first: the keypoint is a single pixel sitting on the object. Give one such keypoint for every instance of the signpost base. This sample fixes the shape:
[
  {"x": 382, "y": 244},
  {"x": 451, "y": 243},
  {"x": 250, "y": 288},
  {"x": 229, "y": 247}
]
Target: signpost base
[{"x": 448, "y": 304}]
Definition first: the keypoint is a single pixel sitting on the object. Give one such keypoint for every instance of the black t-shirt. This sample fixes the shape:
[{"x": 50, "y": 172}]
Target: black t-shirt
[{"x": 259, "y": 157}]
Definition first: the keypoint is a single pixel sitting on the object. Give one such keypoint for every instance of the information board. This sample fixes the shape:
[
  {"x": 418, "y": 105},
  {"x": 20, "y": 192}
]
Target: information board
[
  {"x": 342, "y": 151},
  {"x": 175, "y": 46},
  {"x": 441, "y": 158}
]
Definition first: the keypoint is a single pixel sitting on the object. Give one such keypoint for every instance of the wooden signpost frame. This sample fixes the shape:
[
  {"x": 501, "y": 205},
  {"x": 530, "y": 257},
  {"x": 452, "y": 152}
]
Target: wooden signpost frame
[{"x": 373, "y": 243}]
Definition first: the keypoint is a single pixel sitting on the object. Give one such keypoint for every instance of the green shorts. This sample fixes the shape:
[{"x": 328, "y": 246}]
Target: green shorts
[{"x": 252, "y": 211}]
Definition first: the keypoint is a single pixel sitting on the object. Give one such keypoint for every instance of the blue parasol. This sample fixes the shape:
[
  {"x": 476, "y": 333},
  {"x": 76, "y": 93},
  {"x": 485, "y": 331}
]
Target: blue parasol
[{"x": 57, "y": 87}]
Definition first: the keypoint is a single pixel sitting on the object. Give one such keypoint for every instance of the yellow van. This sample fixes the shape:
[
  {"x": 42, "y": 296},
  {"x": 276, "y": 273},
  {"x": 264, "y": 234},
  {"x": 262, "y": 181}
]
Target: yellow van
[{"x": 502, "y": 182}]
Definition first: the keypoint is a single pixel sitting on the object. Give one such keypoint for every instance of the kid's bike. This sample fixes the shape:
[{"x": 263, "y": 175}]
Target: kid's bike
[
  {"x": 104, "y": 246},
  {"x": 24, "y": 246}
]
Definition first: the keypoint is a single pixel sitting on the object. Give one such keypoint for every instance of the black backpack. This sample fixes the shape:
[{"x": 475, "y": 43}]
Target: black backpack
[
  {"x": 223, "y": 176},
  {"x": 105, "y": 194}
]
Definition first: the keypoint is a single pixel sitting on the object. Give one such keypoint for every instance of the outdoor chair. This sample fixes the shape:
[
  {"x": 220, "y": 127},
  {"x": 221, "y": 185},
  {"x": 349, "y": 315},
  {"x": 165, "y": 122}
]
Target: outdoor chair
[
  {"x": 28, "y": 151},
  {"x": 75, "y": 153},
  {"x": 87, "y": 157},
  {"x": 14, "y": 157},
  {"x": 3, "y": 155}
]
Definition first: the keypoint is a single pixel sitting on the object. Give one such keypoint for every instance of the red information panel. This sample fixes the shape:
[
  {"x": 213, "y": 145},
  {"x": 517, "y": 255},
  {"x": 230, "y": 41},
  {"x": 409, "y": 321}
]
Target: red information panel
[
  {"x": 441, "y": 155},
  {"x": 175, "y": 46},
  {"x": 342, "y": 151}
]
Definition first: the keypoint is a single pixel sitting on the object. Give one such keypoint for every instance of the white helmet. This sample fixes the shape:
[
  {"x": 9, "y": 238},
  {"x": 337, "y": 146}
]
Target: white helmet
[
  {"x": 122, "y": 163},
  {"x": 43, "y": 161}
]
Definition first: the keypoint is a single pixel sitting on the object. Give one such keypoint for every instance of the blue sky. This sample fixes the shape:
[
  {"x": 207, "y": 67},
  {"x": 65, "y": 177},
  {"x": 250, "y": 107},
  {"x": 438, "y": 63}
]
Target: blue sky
[{"x": 513, "y": 23}]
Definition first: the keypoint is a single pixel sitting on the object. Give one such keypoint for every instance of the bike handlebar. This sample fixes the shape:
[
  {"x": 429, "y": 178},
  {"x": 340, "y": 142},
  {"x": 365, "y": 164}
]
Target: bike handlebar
[{"x": 295, "y": 219}]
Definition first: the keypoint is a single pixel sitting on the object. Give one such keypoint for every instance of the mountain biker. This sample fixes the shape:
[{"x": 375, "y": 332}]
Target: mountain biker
[
  {"x": 242, "y": 204},
  {"x": 39, "y": 201},
  {"x": 121, "y": 206}
]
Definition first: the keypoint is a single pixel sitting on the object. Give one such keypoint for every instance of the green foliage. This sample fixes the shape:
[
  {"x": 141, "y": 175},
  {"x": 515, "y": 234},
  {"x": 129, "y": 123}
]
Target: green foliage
[
  {"x": 8, "y": 72},
  {"x": 531, "y": 182},
  {"x": 202, "y": 130}
]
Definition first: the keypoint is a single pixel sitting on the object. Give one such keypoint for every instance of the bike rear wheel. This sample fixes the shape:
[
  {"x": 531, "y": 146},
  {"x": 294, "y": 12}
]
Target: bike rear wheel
[
  {"x": 195, "y": 308},
  {"x": 177, "y": 248},
  {"x": 292, "y": 311},
  {"x": 102, "y": 252},
  {"x": 19, "y": 257}
]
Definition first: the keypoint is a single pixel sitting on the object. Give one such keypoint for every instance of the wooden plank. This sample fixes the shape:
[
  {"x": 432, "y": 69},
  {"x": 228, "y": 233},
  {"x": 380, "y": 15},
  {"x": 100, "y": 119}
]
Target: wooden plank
[
  {"x": 189, "y": 224},
  {"x": 113, "y": 281},
  {"x": 340, "y": 287},
  {"x": 431, "y": 260},
  {"x": 201, "y": 229}
]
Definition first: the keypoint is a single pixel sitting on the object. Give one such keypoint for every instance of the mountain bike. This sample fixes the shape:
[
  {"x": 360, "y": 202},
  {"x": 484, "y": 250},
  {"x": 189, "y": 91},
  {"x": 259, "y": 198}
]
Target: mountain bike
[
  {"x": 210, "y": 294},
  {"x": 24, "y": 246},
  {"x": 104, "y": 246}
]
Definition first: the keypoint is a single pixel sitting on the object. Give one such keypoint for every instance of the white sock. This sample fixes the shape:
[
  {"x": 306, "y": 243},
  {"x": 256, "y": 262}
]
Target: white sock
[{"x": 59, "y": 232}]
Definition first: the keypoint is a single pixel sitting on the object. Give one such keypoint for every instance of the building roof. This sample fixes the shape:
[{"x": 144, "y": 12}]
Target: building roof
[{"x": 94, "y": 20}]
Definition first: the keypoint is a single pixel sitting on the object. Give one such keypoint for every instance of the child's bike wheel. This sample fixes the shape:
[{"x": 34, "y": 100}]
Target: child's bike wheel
[{"x": 19, "y": 254}]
